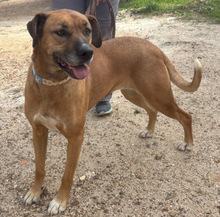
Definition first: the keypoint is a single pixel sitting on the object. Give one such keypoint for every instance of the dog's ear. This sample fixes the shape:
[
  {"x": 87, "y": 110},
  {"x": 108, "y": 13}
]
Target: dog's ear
[
  {"x": 35, "y": 27},
  {"x": 96, "y": 31}
]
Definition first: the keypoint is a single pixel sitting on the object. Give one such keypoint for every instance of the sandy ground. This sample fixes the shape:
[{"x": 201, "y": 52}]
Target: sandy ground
[{"x": 118, "y": 174}]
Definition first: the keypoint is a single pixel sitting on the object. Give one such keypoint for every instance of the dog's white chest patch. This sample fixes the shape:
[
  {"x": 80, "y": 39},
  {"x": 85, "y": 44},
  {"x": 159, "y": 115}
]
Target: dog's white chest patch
[{"x": 49, "y": 122}]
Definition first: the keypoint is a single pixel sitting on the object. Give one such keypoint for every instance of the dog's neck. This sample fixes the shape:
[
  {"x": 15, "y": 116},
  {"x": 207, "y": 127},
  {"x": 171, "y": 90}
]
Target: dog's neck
[{"x": 38, "y": 79}]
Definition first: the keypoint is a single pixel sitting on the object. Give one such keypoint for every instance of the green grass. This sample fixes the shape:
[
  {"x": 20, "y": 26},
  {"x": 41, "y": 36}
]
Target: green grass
[{"x": 193, "y": 9}]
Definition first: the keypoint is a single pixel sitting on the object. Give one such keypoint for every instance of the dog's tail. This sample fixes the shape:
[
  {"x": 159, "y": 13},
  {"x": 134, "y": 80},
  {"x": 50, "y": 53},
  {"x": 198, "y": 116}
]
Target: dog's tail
[{"x": 179, "y": 81}]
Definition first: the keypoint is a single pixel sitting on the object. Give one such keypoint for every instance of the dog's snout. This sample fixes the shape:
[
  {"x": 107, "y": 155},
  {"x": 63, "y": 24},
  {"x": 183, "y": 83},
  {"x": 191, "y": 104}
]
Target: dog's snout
[{"x": 85, "y": 51}]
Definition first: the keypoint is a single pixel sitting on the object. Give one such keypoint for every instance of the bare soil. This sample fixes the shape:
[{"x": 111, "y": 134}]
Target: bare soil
[{"x": 119, "y": 174}]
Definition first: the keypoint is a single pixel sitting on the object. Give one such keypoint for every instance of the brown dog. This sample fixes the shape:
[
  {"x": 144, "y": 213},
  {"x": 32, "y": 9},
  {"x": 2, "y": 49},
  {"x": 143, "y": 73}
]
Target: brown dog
[{"x": 61, "y": 88}]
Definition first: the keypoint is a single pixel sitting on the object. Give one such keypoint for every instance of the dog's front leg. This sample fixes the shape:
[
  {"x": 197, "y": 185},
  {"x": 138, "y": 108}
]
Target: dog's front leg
[
  {"x": 40, "y": 135},
  {"x": 58, "y": 204}
]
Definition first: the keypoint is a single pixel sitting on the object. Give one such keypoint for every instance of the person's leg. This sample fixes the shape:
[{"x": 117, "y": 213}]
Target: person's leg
[
  {"x": 104, "y": 17},
  {"x": 77, "y": 5},
  {"x": 103, "y": 107}
]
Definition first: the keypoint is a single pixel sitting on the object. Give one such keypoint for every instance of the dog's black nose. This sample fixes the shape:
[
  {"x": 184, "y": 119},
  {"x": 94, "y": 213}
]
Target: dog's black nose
[{"x": 85, "y": 51}]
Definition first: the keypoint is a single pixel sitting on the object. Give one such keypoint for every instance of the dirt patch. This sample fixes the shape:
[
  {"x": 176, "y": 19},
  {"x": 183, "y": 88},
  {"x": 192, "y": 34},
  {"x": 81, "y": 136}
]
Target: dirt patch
[{"x": 121, "y": 174}]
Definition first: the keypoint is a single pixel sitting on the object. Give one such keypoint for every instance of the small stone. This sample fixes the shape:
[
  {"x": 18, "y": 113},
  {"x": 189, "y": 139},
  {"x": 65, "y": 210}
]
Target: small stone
[
  {"x": 208, "y": 212},
  {"x": 155, "y": 144},
  {"x": 137, "y": 203},
  {"x": 173, "y": 214},
  {"x": 106, "y": 211},
  {"x": 137, "y": 112},
  {"x": 217, "y": 160},
  {"x": 75, "y": 203},
  {"x": 80, "y": 183},
  {"x": 23, "y": 162},
  {"x": 98, "y": 201},
  {"x": 181, "y": 209},
  {"x": 98, "y": 154},
  {"x": 121, "y": 194},
  {"x": 116, "y": 201},
  {"x": 215, "y": 177},
  {"x": 169, "y": 196},
  {"x": 138, "y": 175},
  {"x": 165, "y": 209},
  {"x": 148, "y": 145},
  {"x": 158, "y": 156},
  {"x": 82, "y": 178}
]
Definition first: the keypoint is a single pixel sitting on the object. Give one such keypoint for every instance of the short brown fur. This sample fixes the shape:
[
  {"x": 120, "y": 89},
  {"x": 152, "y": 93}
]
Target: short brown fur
[{"x": 137, "y": 67}]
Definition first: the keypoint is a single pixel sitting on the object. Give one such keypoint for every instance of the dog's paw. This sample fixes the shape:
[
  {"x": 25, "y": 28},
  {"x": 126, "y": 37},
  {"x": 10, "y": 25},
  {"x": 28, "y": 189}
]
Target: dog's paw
[
  {"x": 184, "y": 147},
  {"x": 55, "y": 207},
  {"x": 32, "y": 197},
  {"x": 145, "y": 134}
]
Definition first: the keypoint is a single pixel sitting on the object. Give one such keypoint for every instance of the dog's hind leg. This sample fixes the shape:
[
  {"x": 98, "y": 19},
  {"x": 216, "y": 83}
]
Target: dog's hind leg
[
  {"x": 139, "y": 100},
  {"x": 156, "y": 89},
  {"x": 164, "y": 102},
  {"x": 40, "y": 135},
  {"x": 185, "y": 119}
]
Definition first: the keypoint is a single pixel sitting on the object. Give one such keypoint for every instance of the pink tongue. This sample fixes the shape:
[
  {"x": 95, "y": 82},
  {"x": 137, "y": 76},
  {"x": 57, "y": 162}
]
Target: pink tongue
[{"x": 80, "y": 72}]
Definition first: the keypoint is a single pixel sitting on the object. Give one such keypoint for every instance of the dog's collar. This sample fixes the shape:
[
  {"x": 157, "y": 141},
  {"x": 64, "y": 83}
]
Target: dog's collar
[{"x": 38, "y": 79}]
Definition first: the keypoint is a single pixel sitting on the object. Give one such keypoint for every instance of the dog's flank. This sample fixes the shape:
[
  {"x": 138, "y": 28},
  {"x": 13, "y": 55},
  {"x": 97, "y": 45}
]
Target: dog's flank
[{"x": 135, "y": 66}]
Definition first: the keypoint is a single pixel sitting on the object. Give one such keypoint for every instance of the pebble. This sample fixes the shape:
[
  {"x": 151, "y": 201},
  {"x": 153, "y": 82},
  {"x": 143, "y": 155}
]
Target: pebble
[
  {"x": 169, "y": 196},
  {"x": 155, "y": 144},
  {"x": 216, "y": 160},
  {"x": 88, "y": 175},
  {"x": 158, "y": 156},
  {"x": 75, "y": 203},
  {"x": 82, "y": 178},
  {"x": 138, "y": 175},
  {"x": 173, "y": 214},
  {"x": 215, "y": 177},
  {"x": 165, "y": 209}
]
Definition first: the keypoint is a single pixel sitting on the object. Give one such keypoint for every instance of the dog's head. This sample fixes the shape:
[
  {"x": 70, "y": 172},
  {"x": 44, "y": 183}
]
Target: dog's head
[{"x": 64, "y": 38}]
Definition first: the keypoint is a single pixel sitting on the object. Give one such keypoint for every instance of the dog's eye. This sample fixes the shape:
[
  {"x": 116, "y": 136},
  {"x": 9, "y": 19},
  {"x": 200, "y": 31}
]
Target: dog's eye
[
  {"x": 61, "y": 33},
  {"x": 87, "y": 31}
]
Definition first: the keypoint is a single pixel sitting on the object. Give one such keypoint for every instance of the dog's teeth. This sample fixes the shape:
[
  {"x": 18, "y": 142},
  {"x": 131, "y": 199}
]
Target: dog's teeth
[{"x": 61, "y": 62}]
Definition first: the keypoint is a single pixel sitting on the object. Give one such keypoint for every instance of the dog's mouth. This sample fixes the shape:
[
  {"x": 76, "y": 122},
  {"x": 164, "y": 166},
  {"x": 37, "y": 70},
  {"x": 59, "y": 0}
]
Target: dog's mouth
[{"x": 77, "y": 72}]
